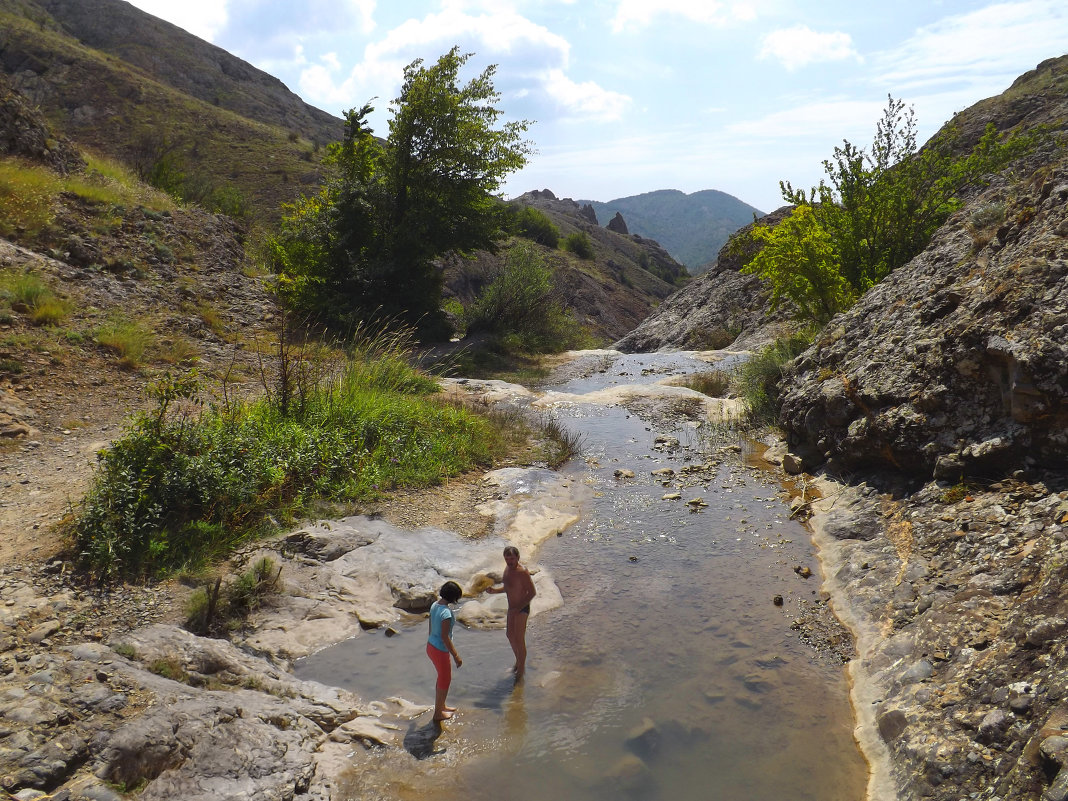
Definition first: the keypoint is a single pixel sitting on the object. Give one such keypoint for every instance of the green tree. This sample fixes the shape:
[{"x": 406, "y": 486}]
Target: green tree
[
  {"x": 365, "y": 246},
  {"x": 800, "y": 262},
  {"x": 876, "y": 210}
]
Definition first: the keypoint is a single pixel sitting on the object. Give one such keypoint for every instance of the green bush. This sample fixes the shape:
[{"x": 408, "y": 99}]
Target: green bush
[
  {"x": 180, "y": 489},
  {"x": 522, "y": 306},
  {"x": 579, "y": 243},
  {"x": 535, "y": 225}
]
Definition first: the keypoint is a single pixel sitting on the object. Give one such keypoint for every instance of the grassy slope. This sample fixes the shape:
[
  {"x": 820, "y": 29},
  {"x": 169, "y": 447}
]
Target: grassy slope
[{"x": 107, "y": 106}]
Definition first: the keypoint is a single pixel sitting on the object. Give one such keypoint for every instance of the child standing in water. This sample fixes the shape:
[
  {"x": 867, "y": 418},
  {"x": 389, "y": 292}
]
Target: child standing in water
[
  {"x": 439, "y": 646},
  {"x": 519, "y": 587}
]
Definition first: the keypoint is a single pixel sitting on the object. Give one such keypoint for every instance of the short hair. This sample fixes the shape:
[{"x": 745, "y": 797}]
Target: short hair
[
  {"x": 451, "y": 591},
  {"x": 511, "y": 550}
]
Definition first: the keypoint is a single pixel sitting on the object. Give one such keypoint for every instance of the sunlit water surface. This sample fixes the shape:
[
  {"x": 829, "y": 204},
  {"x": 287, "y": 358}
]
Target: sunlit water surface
[{"x": 668, "y": 674}]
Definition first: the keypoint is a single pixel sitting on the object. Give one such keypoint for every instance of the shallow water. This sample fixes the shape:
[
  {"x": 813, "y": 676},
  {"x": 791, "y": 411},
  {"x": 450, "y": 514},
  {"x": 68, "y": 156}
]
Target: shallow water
[{"x": 668, "y": 673}]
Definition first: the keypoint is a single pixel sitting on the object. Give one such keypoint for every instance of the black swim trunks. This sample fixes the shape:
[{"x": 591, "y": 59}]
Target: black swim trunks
[{"x": 525, "y": 610}]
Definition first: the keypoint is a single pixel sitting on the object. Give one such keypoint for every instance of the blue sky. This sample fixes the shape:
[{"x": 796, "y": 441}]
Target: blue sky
[{"x": 630, "y": 96}]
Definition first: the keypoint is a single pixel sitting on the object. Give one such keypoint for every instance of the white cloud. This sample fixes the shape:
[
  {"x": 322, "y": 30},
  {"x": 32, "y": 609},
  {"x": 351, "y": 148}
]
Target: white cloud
[
  {"x": 587, "y": 99},
  {"x": 533, "y": 63},
  {"x": 992, "y": 41},
  {"x": 203, "y": 18},
  {"x": 639, "y": 13},
  {"x": 800, "y": 45}
]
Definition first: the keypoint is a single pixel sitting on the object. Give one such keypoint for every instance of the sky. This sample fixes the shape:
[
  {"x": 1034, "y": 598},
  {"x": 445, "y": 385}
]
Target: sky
[{"x": 632, "y": 96}]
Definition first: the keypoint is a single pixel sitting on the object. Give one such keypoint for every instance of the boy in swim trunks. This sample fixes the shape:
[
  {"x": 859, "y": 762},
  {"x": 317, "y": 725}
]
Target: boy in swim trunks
[{"x": 519, "y": 587}]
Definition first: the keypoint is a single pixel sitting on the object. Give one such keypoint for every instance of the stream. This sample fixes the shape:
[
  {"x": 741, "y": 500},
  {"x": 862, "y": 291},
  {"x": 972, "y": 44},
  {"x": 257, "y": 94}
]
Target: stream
[{"x": 670, "y": 672}]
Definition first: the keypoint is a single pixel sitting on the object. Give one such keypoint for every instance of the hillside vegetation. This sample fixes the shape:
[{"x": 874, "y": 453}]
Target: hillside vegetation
[{"x": 224, "y": 133}]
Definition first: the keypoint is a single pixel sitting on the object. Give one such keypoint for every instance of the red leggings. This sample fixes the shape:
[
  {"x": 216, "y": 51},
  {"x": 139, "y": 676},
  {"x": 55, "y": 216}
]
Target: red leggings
[{"x": 444, "y": 666}]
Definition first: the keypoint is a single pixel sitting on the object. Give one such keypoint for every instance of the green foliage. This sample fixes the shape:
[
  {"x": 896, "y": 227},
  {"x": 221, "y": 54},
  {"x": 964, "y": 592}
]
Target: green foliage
[
  {"x": 29, "y": 293},
  {"x": 522, "y": 306},
  {"x": 877, "y": 209},
  {"x": 579, "y": 243},
  {"x": 759, "y": 377},
  {"x": 535, "y": 225},
  {"x": 186, "y": 483},
  {"x": 363, "y": 248},
  {"x": 800, "y": 262}
]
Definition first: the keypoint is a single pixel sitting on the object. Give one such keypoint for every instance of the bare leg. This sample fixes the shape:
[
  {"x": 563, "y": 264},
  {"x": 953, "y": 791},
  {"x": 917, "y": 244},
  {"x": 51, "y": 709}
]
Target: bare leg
[
  {"x": 441, "y": 712},
  {"x": 517, "y": 637}
]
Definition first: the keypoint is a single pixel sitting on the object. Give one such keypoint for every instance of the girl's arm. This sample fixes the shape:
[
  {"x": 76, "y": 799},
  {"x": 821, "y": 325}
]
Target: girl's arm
[{"x": 446, "y": 637}]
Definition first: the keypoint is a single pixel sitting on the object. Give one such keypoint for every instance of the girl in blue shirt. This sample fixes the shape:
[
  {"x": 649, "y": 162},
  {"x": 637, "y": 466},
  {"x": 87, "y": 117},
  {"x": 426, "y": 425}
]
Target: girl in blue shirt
[{"x": 439, "y": 646}]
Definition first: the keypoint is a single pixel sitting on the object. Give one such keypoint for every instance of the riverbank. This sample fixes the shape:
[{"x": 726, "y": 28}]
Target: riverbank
[{"x": 956, "y": 598}]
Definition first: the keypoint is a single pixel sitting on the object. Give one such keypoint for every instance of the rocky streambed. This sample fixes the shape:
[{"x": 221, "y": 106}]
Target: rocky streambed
[{"x": 953, "y": 594}]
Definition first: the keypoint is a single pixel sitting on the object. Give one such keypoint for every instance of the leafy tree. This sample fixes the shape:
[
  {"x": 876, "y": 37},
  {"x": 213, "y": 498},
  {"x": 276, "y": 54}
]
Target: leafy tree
[
  {"x": 801, "y": 263},
  {"x": 364, "y": 247},
  {"x": 876, "y": 210}
]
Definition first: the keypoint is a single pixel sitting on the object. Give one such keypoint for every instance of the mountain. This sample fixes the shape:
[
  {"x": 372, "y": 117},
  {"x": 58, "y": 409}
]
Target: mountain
[
  {"x": 124, "y": 84},
  {"x": 692, "y": 228}
]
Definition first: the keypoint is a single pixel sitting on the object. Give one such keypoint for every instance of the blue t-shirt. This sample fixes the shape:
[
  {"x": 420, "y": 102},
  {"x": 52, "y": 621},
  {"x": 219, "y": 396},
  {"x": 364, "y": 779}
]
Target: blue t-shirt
[{"x": 439, "y": 613}]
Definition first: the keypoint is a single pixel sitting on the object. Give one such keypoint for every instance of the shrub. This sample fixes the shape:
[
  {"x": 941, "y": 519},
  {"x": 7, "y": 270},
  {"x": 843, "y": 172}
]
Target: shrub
[
  {"x": 579, "y": 243},
  {"x": 535, "y": 225},
  {"x": 522, "y": 306},
  {"x": 186, "y": 483}
]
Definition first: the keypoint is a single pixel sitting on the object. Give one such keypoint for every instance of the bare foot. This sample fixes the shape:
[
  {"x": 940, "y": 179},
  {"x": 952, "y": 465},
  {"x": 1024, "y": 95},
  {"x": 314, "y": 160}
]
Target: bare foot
[
  {"x": 449, "y": 708},
  {"x": 444, "y": 715}
]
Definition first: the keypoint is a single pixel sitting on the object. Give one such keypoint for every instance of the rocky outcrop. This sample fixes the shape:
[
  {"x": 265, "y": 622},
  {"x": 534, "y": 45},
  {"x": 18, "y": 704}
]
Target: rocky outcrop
[
  {"x": 720, "y": 308},
  {"x": 957, "y": 363},
  {"x": 589, "y": 214},
  {"x": 618, "y": 224},
  {"x": 24, "y": 133}
]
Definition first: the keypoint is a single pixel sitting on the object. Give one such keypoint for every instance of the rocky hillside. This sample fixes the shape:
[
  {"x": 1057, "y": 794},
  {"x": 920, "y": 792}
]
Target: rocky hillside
[
  {"x": 610, "y": 293},
  {"x": 940, "y": 402},
  {"x": 691, "y": 227},
  {"x": 95, "y": 70},
  {"x": 957, "y": 364}
]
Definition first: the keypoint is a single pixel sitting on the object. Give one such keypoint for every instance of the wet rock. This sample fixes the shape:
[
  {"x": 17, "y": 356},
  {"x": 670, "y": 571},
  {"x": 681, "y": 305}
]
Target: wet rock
[
  {"x": 671, "y": 496},
  {"x": 644, "y": 739},
  {"x": 629, "y": 775},
  {"x": 623, "y": 473}
]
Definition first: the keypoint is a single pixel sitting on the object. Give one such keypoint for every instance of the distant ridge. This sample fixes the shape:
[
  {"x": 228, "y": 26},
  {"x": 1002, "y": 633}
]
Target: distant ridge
[{"x": 692, "y": 228}]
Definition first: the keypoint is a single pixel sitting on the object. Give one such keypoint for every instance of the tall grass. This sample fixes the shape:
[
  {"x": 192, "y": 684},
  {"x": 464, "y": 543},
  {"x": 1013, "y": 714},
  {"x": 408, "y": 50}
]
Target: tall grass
[
  {"x": 759, "y": 377},
  {"x": 129, "y": 339},
  {"x": 180, "y": 489},
  {"x": 26, "y": 195},
  {"x": 29, "y": 293}
]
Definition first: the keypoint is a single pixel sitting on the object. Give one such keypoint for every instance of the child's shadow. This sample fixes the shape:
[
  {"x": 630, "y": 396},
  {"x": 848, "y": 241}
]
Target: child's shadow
[{"x": 419, "y": 740}]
